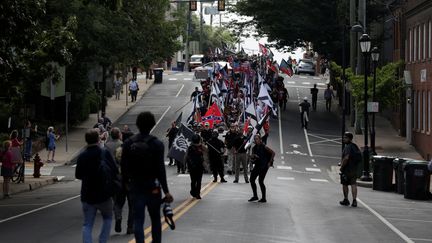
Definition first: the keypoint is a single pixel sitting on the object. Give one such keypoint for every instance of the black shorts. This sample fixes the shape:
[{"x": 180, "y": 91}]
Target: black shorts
[
  {"x": 348, "y": 179},
  {"x": 7, "y": 172}
]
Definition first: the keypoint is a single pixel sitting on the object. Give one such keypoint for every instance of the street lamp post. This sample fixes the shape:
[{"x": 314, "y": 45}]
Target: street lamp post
[
  {"x": 365, "y": 45},
  {"x": 375, "y": 57}
]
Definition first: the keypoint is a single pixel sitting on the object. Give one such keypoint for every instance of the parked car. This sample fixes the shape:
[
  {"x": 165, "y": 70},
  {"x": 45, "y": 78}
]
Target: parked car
[
  {"x": 195, "y": 61},
  {"x": 306, "y": 66}
]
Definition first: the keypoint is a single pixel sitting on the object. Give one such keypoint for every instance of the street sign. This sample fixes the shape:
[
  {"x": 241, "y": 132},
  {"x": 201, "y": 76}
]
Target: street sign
[
  {"x": 211, "y": 10},
  {"x": 373, "y": 107}
]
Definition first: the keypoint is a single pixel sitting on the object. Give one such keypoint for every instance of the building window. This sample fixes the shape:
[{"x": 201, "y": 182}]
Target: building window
[
  {"x": 429, "y": 39},
  {"x": 418, "y": 110},
  {"x": 429, "y": 112},
  {"x": 424, "y": 41},
  {"x": 419, "y": 43},
  {"x": 424, "y": 110},
  {"x": 414, "y": 44}
]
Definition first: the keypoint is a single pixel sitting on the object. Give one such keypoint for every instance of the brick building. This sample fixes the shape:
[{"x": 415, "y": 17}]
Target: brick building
[{"x": 417, "y": 27}]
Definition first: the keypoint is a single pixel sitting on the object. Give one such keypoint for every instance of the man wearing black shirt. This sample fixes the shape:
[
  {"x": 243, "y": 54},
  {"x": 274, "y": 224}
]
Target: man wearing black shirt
[
  {"x": 229, "y": 142},
  {"x": 215, "y": 150},
  {"x": 304, "y": 112},
  {"x": 314, "y": 93},
  {"x": 171, "y": 134}
]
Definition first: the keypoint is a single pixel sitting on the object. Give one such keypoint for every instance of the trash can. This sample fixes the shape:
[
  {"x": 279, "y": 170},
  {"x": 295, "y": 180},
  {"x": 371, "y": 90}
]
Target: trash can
[
  {"x": 382, "y": 173},
  {"x": 399, "y": 174},
  {"x": 158, "y": 73},
  {"x": 417, "y": 179},
  {"x": 180, "y": 66}
]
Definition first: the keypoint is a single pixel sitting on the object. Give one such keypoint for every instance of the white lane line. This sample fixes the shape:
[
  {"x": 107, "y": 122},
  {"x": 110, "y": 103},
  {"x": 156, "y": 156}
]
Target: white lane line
[
  {"x": 291, "y": 82},
  {"x": 328, "y": 157},
  {"x": 420, "y": 239},
  {"x": 172, "y": 79},
  {"x": 386, "y": 222},
  {"x": 411, "y": 220},
  {"x": 307, "y": 142},
  {"x": 178, "y": 93},
  {"x": 306, "y": 83},
  {"x": 314, "y": 165},
  {"x": 187, "y": 79},
  {"x": 73, "y": 166},
  {"x": 319, "y": 180},
  {"x": 160, "y": 119},
  {"x": 183, "y": 175},
  {"x": 283, "y": 167},
  {"x": 313, "y": 169},
  {"x": 280, "y": 132},
  {"x": 317, "y": 78},
  {"x": 302, "y": 77},
  {"x": 285, "y": 178},
  {"x": 38, "y": 209},
  {"x": 321, "y": 84}
]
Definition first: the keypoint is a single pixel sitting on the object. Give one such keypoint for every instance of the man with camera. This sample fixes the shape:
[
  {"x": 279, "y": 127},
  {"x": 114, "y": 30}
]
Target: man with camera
[{"x": 351, "y": 156}]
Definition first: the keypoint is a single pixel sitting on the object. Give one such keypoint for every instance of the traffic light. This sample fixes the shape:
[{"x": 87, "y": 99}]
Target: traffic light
[
  {"x": 193, "y": 5},
  {"x": 221, "y": 5}
]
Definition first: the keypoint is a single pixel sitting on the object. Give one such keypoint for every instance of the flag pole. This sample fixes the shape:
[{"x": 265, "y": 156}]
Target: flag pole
[{"x": 183, "y": 106}]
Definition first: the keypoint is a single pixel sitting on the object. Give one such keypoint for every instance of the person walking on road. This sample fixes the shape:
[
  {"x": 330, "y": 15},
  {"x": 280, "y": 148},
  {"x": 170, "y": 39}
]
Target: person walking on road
[
  {"x": 171, "y": 134},
  {"x": 216, "y": 148},
  {"x": 229, "y": 142},
  {"x": 304, "y": 112},
  {"x": 351, "y": 156},
  {"x": 133, "y": 89},
  {"x": 7, "y": 167},
  {"x": 114, "y": 147},
  {"x": 143, "y": 168},
  {"x": 262, "y": 157},
  {"x": 328, "y": 95},
  {"x": 314, "y": 93},
  {"x": 195, "y": 161},
  {"x": 117, "y": 87},
  {"x": 240, "y": 157},
  {"x": 94, "y": 196}
]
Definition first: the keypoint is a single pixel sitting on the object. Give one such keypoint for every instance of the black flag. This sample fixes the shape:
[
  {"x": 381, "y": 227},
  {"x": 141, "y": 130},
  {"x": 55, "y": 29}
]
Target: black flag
[{"x": 181, "y": 143}]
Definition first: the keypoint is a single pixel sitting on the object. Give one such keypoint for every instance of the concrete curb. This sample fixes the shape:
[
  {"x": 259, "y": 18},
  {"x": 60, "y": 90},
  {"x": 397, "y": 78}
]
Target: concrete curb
[{"x": 32, "y": 185}]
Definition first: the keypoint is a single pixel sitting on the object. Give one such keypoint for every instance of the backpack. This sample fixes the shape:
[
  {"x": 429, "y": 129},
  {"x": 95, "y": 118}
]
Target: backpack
[
  {"x": 195, "y": 158},
  {"x": 356, "y": 155},
  {"x": 142, "y": 165},
  {"x": 109, "y": 178}
]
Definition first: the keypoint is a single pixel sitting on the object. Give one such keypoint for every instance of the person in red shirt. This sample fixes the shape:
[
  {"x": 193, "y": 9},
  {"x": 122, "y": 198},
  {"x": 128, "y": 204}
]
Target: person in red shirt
[
  {"x": 7, "y": 167},
  {"x": 14, "y": 139}
]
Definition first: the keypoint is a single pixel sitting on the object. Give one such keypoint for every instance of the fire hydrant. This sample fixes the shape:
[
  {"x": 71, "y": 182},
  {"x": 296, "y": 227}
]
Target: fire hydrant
[{"x": 36, "y": 166}]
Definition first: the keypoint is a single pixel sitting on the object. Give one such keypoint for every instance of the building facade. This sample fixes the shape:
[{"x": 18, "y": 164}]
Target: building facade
[{"x": 417, "y": 19}]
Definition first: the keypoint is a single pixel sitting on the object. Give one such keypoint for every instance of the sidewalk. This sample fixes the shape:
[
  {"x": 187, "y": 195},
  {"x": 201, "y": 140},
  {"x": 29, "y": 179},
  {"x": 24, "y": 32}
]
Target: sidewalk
[
  {"x": 387, "y": 143},
  {"x": 114, "y": 110}
]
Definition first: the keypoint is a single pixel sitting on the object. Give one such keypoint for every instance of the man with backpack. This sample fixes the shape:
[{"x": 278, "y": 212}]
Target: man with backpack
[
  {"x": 351, "y": 156},
  {"x": 96, "y": 169},
  {"x": 143, "y": 168}
]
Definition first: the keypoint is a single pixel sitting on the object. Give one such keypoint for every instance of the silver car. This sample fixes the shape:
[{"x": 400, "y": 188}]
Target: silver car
[{"x": 306, "y": 66}]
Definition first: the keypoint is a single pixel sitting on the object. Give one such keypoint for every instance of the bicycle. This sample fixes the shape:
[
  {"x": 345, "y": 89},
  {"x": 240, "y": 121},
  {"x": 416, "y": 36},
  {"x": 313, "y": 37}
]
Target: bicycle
[{"x": 18, "y": 174}]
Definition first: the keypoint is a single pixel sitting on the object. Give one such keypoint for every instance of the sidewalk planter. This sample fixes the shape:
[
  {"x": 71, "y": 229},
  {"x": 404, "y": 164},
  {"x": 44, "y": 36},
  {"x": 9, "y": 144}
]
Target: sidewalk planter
[
  {"x": 158, "y": 73},
  {"x": 398, "y": 164},
  {"x": 382, "y": 173},
  {"x": 417, "y": 180}
]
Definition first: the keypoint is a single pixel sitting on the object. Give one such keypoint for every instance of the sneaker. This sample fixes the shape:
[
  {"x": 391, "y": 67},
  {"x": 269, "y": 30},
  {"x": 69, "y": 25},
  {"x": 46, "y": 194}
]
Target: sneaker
[
  {"x": 236, "y": 181},
  {"x": 223, "y": 181},
  {"x": 253, "y": 199},
  {"x": 117, "y": 227},
  {"x": 247, "y": 181},
  {"x": 262, "y": 200},
  {"x": 214, "y": 180},
  {"x": 354, "y": 203},
  {"x": 345, "y": 202},
  {"x": 129, "y": 230},
  {"x": 198, "y": 197}
]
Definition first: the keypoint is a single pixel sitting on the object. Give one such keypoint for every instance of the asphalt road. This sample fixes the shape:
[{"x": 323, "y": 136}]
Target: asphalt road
[{"x": 302, "y": 193}]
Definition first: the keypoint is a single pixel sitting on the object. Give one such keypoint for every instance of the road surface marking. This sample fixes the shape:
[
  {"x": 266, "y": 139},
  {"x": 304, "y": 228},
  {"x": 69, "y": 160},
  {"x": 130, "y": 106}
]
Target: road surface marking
[
  {"x": 172, "y": 79},
  {"x": 73, "y": 166},
  {"x": 302, "y": 77},
  {"x": 160, "y": 119},
  {"x": 187, "y": 79},
  {"x": 307, "y": 142},
  {"x": 314, "y": 165},
  {"x": 282, "y": 157},
  {"x": 313, "y": 169},
  {"x": 306, "y": 83},
  {"x": 283, "y": 167},
  {"x": 317, "y": 78},
  {"x": 181, "y": 211},
  {"x": 411, "y": 220},
  {"x": 313, "y": 160},
  {"x": 291, "y": 82},
  {"x": 328, "y": 157},
  {"x": 322, "y": 84},
  {"x": 333, "y": 140},
  {"x": 319, "y": 180},
  {"x": 280, "y": 132},
  {"x": 39, "y": 209},
  {"x": 420, "y": 239},
  {"x": 386, "y": 222},
  {"x": 180, "y": 90},
  {"x": 296, "y": 152},
  {"x": 285, "y": 178},
  {"x": 183, "y": 175}
]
